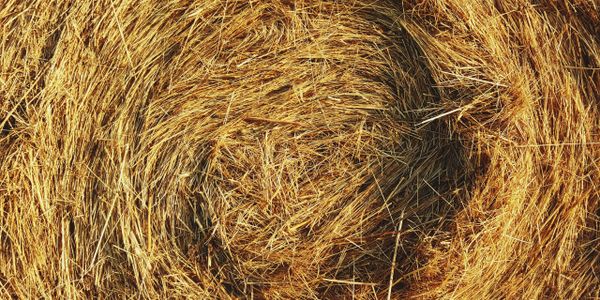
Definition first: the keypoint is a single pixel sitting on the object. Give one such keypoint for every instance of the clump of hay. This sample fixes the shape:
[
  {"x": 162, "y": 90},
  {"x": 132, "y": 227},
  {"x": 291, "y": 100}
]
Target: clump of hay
[{"x": 299, "y": 149}]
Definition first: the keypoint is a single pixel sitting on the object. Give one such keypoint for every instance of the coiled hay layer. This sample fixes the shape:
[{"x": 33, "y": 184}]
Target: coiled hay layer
[{"x": 300, "y": 149}]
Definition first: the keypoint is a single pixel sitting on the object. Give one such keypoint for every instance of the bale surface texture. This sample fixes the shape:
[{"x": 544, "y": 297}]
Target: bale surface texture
[{"x": 277, "y": 149}]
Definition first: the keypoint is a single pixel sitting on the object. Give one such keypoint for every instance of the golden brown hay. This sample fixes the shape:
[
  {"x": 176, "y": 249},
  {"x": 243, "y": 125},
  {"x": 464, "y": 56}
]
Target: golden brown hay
[{"x": 277, "y": 149}]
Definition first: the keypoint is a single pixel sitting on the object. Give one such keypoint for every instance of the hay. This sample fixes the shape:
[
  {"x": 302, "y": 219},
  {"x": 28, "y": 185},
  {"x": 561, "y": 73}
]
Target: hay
[{"x": 299, "y": 149}]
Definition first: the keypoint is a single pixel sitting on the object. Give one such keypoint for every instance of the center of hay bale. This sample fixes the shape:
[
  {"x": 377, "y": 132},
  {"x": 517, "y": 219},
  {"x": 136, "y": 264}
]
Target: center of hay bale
[{"x": 315, "y": 152}]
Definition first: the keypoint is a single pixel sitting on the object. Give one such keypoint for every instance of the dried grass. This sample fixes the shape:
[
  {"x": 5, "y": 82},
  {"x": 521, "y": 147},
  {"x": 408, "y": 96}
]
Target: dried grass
[{"x": 300, "y": 149}]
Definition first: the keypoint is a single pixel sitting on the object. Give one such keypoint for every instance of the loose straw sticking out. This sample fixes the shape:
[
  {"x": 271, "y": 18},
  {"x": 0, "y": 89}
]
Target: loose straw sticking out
[
  {"x": 440, "y": 116},
  {"x": 393, "y": 267}
]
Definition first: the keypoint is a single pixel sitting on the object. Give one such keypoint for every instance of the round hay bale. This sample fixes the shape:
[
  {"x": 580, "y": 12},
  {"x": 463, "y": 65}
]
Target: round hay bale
[
  {"x": 299, "y": 149},
  {"x": 317, "y": 147}
]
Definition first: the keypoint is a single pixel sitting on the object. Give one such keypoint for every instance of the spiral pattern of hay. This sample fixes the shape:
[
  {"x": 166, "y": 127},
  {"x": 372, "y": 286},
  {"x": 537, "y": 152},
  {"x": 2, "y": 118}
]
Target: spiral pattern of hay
[{"x": 300, "y": 149}]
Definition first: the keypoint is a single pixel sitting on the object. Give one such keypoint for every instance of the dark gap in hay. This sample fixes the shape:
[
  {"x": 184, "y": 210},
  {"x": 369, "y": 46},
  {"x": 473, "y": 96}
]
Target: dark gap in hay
[
  {"x": 51, "y": 44},
  {"x": 173, "y": 51},
  {"x": 72, "y": 236},
  {"x": 280, "y": 90},
  {"x": 9, "y": 125}
]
